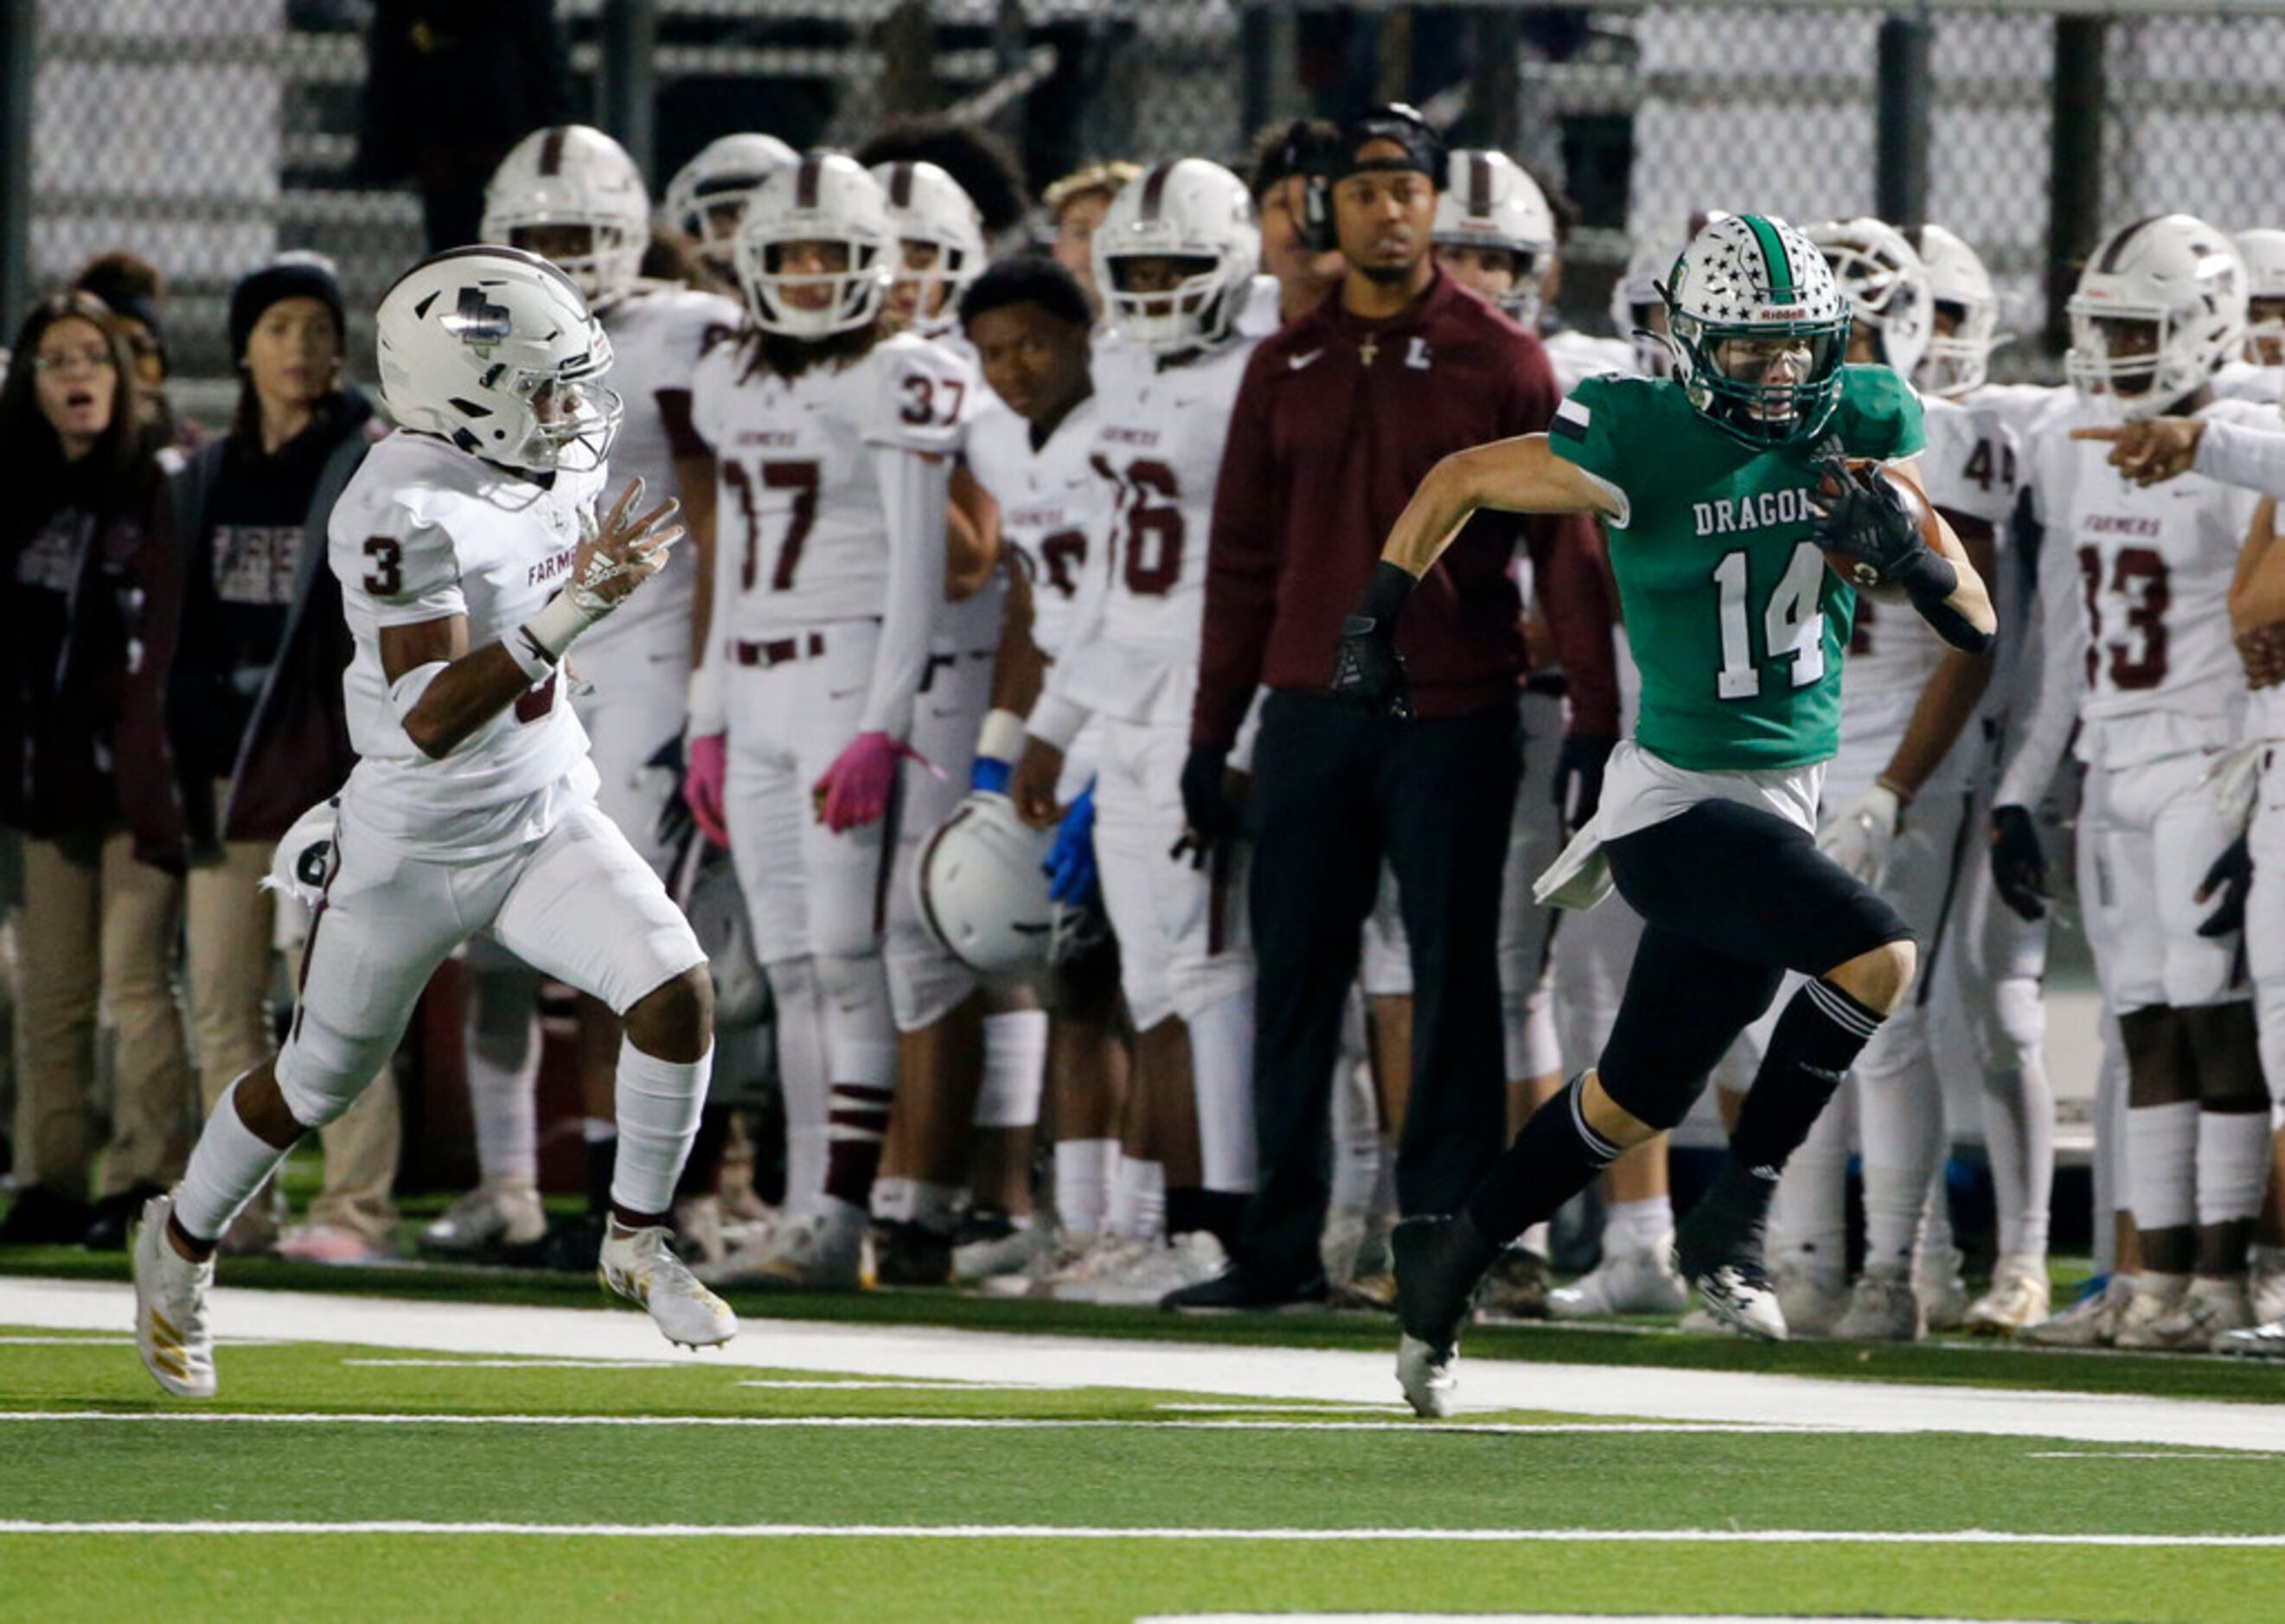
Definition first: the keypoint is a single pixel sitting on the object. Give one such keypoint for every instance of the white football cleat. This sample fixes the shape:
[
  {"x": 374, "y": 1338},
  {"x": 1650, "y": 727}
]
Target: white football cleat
[
  {"x": 170, "y": 1308},
  {"x": 640, "y": 1265},
  {"x": 1105, "y": 1256},
  {"x": 822, "y": 1251},
  {"x": 1942, "y": 1289},
  {"x": 1883, "y": 1308},
  {"x": 1427, "y": 1377},
  {"x": 2092, "y": 1321},
  {"x": 992, "y": 1257},
  {"x": 1812, "y": 1297},
  {"x": 1640, "y": 1281},
  {"x": 2020, "y": 1297},
  {"x": 491, "y": 1218},
  {"x": 2208, "y": 1309},
  {"x": 1149, "y": 1274},
  {"x": 2266, "y": 1284},
  {"x": 2265, "y": 1340}
]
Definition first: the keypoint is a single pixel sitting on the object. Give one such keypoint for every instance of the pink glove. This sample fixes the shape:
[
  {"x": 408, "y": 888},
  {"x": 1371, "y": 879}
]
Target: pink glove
[
  {"x": 702, "y": 782},
  {"x": 855, "y": 789}
]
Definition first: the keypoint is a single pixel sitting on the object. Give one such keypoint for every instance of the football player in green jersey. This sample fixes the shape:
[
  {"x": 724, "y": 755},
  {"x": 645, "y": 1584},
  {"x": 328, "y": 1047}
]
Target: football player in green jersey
[{"x": 1724, "y": 487}]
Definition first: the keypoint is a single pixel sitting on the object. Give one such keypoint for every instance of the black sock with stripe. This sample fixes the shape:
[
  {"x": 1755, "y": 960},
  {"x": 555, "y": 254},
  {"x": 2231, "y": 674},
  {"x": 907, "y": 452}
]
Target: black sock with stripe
[
  {"x": 1817, "y": 1038},
  {"x": 1555, "y": 1156}
]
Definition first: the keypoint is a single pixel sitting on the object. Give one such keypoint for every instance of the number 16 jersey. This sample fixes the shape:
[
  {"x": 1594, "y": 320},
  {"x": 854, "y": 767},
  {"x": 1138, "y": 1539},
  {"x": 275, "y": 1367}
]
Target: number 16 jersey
[
  {"x": 799, "y": 538},
  {"x": 1135, "y": 635}
]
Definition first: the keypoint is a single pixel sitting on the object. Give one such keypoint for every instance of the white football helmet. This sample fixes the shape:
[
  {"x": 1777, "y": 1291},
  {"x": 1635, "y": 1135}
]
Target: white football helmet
[
  {"x": 1637, "y": 301},
  {"x": 1186, "y": 210},
  {"x": 304, "y": 859},
  {"x": 573, "y": 175},
  {"x": 1489, "y": 203},
  {"x": 1755, "y": 277},
  {"x": 2185, "y": 279},
  {"x": 494, "y": 350},
  {"x": 1957, "y": 363},
  {"x": 980, "y": 887},
  {"x": 707, "y": 197},
  {"x": 1886, "y": 284},
  {"x": 2263, "y": 254},
  {"x": 824, "y": 197},
  {"x": 927, "y": 205}
]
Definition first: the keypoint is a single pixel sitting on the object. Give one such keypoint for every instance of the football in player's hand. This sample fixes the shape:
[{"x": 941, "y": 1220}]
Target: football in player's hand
[{"x": 1864, "y": 577}]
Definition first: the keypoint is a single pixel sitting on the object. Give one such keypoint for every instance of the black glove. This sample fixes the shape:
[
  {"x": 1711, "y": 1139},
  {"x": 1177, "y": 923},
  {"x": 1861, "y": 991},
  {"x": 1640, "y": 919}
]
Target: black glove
[
  {"x": 1206, "y": 804},
  {"x": 675, "y": 825},
  {"x": 2019, "y": 863},
  {"x": 1368, "y": 672},
  {"x": 2231, "y": 874},
  {"x": 1866, "y": 520},
  {"x": 1579, "y": 778}
]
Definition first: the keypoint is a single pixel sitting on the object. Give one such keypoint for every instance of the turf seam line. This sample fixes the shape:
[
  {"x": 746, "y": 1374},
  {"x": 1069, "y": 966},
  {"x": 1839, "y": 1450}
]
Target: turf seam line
[{"x": 1045, "y": 1531}]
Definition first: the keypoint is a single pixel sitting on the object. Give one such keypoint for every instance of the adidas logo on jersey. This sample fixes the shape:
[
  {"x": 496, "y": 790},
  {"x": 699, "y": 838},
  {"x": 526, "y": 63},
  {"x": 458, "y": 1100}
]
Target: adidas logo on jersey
[{"x": 1753, "y": 513}]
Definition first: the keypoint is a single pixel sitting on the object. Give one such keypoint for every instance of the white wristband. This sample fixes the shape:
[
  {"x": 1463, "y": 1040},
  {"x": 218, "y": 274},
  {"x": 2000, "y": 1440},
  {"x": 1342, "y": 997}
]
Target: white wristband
[
  {"x": 554, "y": 628},
  {"x": 1001, "y": 738}
]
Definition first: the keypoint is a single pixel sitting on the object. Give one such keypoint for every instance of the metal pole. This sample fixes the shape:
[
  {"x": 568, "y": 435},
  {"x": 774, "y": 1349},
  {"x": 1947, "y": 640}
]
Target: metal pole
[
  {"x": 1495, "y": 112},
  {"x": 2074, "y": 171},
  {"x": 18, "y": 27},
  {"x": 628, "y": 76},
  {"x": 1901, "y": 150}
]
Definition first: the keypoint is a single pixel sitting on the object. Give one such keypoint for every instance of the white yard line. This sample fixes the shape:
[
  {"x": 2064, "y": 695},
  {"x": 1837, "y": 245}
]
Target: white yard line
[
  {"x": 828, "y": 1384},
  {"x": 1311, "y": 1374},
  {"x": 2132, "y": 1455},
  {"x": 502, "y": 1364},
  {"x": 922, "y": 1424},
  {"x": 1047, "y": 1530}
]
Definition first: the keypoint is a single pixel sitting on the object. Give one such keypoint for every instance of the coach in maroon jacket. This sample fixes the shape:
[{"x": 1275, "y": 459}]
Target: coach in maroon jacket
[{"x": 1340, "y": 415}]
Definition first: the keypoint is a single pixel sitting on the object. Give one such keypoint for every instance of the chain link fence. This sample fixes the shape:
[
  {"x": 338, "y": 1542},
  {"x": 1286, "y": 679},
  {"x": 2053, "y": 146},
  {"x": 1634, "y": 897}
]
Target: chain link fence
[{"x": 206, "y": 136}]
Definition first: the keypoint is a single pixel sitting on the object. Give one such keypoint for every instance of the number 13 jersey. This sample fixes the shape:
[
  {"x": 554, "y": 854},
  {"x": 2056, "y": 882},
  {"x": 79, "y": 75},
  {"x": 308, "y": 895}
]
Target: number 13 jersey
[
  {"x": 1134, "y": 642},
  {"x": 799, "y": 534}
]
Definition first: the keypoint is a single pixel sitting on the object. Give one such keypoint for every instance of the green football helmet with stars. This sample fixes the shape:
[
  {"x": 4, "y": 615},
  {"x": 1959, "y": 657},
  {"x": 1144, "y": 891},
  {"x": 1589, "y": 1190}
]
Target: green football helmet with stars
[{"x": 1758, "y": 286}]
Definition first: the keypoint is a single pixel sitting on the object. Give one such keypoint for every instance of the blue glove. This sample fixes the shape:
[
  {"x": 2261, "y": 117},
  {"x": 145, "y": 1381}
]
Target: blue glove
[
  {"x": 989, "y": 775},
  {"x": 1071, "y": 875}
]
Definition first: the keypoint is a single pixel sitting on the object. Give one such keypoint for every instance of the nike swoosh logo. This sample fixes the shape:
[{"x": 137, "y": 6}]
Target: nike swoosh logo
[
  {"x": 1298, "y": 362},
  {"x": 846, "y": 692}
]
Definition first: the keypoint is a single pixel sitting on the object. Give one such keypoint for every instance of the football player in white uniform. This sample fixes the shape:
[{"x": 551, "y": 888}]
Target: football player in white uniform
[
  {"x": 471, "y": 558},
  {"x": 834, "y": 442},
  {"x": 1895, "y": 809},
  {"x": 2134, "y": 587},
  {"x": 1031, "y": 447},
  {"x": 572, "y": 195},
  {"x": 2259, "y": 372},
  {"x": 1174, "y": 259},
  {"x": 707, "y": 197}
]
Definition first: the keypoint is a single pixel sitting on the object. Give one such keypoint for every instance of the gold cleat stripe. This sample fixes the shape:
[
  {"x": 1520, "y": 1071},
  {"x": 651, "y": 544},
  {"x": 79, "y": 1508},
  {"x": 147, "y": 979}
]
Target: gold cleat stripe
[{"x": 163, "y": 1331}]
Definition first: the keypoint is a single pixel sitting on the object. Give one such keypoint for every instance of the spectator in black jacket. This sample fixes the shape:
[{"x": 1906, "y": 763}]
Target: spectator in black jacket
[
  {"x": 85, "y": 494},
  {"x": 238, "y": 711}
]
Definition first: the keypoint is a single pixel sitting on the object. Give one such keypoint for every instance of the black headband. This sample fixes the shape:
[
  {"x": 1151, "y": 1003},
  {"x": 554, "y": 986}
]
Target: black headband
[{"x": 1403, "y": 125}]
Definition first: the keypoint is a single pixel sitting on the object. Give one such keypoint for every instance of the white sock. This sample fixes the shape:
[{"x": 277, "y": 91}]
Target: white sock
[
  {"x": 1221, "y": 1073},
  {"x": 1637, "y": 1227},
  {"x": 1936, "y": 1244},
  {"x": 1015, "y": 1069},
  {"x": 2019, "y": 1127},
  {"x": 1809, "y": 1216},
  {"x": 801, "y": 1079},
  {"x": 228, "y": 1164},
  {"x": 1138, "y": 1200},
  {"x": 2162, "y": 1162},
  {"x": 894, "y": 1198},
  {"x": 1356, "y": 1135},
  {"x": 659, "y": 1104},
  {"x": 503, "y": 1048},
  {"x": 2232, "y": 1162},
  {"x": 1900, "y": 1116},
  {"x": 1534, "y": 1240},
  {"x": 1083, "y": 1185},
  {"x": 2111, "y": 1157}
]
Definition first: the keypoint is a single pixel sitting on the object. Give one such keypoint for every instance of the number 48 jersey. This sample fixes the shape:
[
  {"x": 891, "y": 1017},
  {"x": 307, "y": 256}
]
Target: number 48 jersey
[
  {"x": 799, "y": 538},
  {"x": 1134, "y": 642}
]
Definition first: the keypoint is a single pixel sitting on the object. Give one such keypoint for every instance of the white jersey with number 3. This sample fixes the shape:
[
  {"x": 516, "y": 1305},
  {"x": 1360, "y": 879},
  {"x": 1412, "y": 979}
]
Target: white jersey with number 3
[
  {"x": 799, "y": 535},
  {"x": 423, "y": 532},
  {"x": 1133, "y": 651},
  {"x": 1052, "y": 507}
]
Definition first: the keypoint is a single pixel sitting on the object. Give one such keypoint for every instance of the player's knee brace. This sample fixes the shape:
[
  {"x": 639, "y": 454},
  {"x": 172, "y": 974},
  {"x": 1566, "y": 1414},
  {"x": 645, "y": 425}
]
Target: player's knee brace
[{"x": 322, "y": 1070}]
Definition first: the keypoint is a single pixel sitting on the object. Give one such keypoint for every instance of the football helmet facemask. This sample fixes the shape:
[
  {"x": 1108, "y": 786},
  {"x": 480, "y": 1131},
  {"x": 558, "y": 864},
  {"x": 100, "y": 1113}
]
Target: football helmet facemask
[
  {"x": 826, "y": 198},
  {"x": 1489, "y": 201},
  {"x": 927, "y": 206},
  {"x": 2182, "y": 281},
  {"x": 1886, "y": 283},
  {"x": 1757, "y": 327},
  {"x": 574, "y": 177},
  {"x": 1199, "y": 216}
]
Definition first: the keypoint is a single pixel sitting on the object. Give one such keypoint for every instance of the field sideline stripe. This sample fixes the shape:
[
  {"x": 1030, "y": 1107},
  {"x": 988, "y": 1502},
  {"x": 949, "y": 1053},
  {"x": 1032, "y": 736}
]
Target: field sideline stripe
[
  {"x": 982, "y": 1424},
  {"x": 1048, "y": 1531}
]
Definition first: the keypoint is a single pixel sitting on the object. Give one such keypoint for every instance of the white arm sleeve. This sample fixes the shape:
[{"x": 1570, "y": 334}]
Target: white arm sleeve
[
  {"x": 2050, "y": 679},
  {"x": 2239, "y": 454},
  {"x": 709, "y": 701},
  {"x": 1056, "y": 716},
  {"x": 916, "y": 494}
]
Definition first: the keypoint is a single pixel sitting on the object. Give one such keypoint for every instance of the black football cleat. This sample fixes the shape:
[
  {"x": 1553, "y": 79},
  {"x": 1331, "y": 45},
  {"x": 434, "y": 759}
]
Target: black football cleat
[
  {"x": 1438, "y": 1263},
  {"x": 1717, "y": 1249}
]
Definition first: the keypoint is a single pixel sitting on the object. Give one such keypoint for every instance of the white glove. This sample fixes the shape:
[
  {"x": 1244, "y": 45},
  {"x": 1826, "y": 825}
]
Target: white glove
[{"x": 1859, "y": 836}]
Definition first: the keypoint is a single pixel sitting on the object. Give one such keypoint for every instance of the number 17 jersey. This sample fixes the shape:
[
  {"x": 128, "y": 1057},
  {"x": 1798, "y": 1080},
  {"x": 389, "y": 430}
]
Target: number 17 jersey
[{"x": 799, "y": 536}]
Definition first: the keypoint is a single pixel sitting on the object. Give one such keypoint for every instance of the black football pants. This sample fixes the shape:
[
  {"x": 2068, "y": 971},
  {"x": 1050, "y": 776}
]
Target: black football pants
[{"x": 1334, "y": 792}]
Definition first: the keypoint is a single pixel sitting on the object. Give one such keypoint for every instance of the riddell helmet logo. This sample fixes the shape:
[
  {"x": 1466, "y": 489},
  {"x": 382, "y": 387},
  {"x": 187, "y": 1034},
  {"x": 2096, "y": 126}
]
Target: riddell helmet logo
[{"x": 478, "y": 323}]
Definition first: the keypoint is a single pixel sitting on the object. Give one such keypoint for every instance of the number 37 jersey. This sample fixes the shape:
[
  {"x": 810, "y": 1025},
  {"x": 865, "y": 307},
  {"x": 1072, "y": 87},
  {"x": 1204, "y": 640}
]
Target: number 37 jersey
[
  {"x": 1158, "y": 440},
  {"x": 799, "y": 534}
]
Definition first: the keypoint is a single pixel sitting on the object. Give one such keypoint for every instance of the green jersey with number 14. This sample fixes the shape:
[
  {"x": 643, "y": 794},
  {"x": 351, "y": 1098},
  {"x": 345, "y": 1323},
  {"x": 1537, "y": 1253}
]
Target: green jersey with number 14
[{"x": 1737, "y": 623}]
